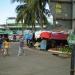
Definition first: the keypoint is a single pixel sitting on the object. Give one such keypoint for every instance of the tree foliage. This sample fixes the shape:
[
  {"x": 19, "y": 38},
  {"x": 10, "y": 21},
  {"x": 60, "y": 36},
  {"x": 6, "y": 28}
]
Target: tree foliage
[{"x": 30, "y": 11}]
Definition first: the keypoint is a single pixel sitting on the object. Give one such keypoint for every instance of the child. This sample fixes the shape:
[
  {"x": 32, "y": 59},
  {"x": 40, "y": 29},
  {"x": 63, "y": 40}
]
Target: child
[{"x": 6, "y": 47}]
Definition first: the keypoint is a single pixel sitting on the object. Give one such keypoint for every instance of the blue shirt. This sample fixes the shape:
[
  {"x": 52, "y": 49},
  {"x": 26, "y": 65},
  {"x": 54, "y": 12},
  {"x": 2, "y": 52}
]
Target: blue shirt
[{"x": 43, "y": 44}]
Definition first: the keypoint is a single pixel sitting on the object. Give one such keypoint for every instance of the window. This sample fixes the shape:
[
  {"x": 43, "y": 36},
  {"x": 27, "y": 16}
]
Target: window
[{"x": 58, "y": 8}]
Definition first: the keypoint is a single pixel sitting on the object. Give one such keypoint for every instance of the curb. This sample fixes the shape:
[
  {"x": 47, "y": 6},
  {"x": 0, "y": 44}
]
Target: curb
[{"x": 38, "y": 52}]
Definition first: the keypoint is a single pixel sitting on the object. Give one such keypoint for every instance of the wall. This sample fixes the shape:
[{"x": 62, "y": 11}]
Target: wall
[{"x": 62, "y": 12}]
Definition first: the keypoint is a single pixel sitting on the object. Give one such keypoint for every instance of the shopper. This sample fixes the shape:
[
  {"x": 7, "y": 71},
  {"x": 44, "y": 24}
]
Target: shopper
[
  {"x": 6, "y": 47},
  {"x": 21, "y": 45},
  {"x": 1, "y": 46},
  {"x": 43, "y": 45}
]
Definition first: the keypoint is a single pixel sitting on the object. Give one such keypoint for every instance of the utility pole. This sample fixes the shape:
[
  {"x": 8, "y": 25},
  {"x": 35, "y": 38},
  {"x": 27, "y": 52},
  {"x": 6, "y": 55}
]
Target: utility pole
[
  {"x": 73, "y": 55},
  {"x": 72, "y": 60},
  {"x": 73, "y": 45}
]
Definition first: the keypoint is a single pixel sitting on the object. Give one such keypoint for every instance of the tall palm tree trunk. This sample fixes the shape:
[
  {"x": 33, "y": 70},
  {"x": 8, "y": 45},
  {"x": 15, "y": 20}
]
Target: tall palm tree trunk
[
  {"x": 40, "y": 16},
  {"x": 22, "y": 27},
  {"x": 33, "y": 27}
]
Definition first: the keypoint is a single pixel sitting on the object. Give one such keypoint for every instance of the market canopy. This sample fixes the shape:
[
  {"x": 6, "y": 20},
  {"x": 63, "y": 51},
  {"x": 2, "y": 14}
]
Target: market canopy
[
  {"x": 45, "y": 35},
  {"x": 1, "y": 32},
  {"x": 59, "y": 36},
  {"x": 8, "y": 32},
  {"x": 28, "y": 34}
]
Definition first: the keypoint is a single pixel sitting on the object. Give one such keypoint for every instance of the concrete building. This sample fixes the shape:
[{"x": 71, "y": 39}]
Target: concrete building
[
  {"x": 2, "y": 26},
  {"x": 63, "y": 13}
]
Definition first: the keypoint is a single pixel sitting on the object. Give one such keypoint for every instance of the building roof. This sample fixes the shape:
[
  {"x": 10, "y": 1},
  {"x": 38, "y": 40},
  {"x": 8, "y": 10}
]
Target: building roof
[{"x": 11, "y": 17}]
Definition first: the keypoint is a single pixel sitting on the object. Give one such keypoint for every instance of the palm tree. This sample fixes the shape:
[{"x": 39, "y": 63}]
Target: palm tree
[
  {"x": 21, "y": 14},
  {"x": 37, "y": 6},
  {"x": 25, "y": 16},
  {"x": 32, "y": 12}
]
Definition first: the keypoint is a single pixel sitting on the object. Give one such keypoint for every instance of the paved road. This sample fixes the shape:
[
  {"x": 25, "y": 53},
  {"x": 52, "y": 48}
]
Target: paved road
[{"x": 34, "y": 63}]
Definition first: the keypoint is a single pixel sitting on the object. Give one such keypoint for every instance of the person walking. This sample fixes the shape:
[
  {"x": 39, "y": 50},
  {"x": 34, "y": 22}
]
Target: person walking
[
  {"x": 1, "y": 46},
  {"x": 6, "y": 47},
  {"x": 21, "y": 45}
]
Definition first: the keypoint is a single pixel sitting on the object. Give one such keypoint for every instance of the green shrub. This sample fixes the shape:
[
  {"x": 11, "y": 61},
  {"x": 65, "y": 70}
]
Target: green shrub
[{"x": 66, "y": 49}]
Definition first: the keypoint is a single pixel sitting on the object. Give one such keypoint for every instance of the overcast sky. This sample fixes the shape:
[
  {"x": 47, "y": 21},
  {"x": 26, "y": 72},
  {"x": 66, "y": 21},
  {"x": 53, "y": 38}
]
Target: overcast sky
[{"x": 7, "y": 9}]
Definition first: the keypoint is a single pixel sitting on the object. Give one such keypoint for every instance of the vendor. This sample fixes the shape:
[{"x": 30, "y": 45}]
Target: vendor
[{"x": 43, "y": 45}]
